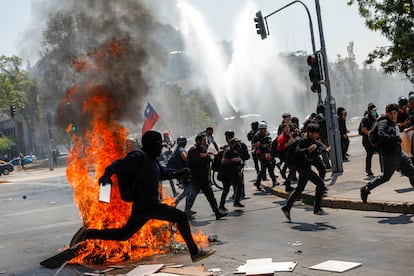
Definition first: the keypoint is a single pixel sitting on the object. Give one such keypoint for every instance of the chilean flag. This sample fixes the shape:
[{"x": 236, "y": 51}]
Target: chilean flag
[{"x": 151, "y": 118}]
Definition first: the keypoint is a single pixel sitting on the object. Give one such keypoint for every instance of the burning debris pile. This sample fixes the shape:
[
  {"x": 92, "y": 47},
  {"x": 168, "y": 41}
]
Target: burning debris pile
[{"x": 109, "y": 84}]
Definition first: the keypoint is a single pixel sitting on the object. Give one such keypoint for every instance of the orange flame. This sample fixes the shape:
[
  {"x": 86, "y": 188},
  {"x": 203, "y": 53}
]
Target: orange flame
[{"x": 94, "y": 149}]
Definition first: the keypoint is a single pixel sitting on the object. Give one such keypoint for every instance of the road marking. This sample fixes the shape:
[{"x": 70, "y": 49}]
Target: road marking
[{"x": 48, "y": 209}]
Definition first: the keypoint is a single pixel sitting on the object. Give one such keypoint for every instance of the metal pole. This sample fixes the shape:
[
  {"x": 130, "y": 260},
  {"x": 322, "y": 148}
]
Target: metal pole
[
  {"x": 330, "y": 105},
  {"x": 309, "y": 17}
]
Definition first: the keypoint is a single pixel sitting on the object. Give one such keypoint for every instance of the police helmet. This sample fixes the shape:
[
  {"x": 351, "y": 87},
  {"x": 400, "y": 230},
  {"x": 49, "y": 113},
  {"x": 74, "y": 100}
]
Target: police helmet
[
  {"x": 262, "y": 124},
  {"x": 402, "y": 101},
  {"x": 182, "y": 141}
]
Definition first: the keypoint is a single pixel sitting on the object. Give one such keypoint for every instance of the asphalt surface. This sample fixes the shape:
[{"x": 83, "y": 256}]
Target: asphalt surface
[
  {"x": 38, "y": 217},
  {"x": 395, "y": 196}
]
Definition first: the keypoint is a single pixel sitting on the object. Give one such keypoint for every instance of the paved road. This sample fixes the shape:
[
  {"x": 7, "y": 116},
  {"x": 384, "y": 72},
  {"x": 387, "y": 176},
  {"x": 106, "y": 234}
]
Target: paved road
[{"x": 32, "y": 229}]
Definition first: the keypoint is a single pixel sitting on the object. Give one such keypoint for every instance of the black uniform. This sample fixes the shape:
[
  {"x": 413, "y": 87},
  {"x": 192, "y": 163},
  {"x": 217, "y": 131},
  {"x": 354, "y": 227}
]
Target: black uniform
[
  {"x": 200, "y": 179},
  {"x": 304, "y": 159},
  {"x": 265, "y": 158},
  {"x": 231, "y": 177},
  {"x": 393, "y": 157},
  {"x": 367, "y": 121}
]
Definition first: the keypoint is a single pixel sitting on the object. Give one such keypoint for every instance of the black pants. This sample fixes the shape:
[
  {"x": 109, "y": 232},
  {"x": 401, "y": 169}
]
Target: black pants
[
  {"x": 256, "y": 163},
  {"x": 305, "y": 176},
  {"x": 265, "y": 165},
  {"x": 320, "y": 167},
  {"x": 390, "y": 164},
  {"x": 235, "y": 180},
  {"x": 139, "y": 216},
  {"x": 345, "y": 146},
  {"x": 370, "y": 151},
  {"x": 205, "y": 187}
]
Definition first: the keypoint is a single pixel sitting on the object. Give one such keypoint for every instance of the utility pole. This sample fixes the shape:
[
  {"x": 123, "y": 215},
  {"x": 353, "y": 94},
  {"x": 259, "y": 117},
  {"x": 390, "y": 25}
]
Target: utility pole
[{"x": 332, "y": 125}]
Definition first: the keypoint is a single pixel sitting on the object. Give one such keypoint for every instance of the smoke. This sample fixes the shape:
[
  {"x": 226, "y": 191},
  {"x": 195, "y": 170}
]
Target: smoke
[
  {"x": 255, "y": 80},
  {"x": 101, "y": 47}
]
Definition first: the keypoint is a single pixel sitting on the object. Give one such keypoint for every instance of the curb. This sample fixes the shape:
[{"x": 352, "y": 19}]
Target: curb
[{"x": 348, "y": 203}]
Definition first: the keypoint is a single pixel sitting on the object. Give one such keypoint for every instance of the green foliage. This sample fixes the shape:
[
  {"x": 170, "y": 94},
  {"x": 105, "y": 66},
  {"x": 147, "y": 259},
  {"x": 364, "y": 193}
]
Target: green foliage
[
  {"x": 5, "y": 143},
  {"x": 185, "y": 112},
  {"x": 17, "y": 88},
  {"x": 394, "y": 20}
]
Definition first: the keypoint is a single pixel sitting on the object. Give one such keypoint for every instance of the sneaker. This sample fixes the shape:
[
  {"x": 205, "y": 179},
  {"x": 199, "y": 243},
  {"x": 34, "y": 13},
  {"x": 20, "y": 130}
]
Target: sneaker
[
  {"x": 320, "y": 212},
  {"x": 220, "y": 215},
  {"x": 223, "y": 210},
  {"x": 364, "y": 194},
  {"x": 79, "y": 236},
  {"x": 202, "y": 254},
  {"x": 238, "y": 205},
  {"x": 286, "y": 211},
  {"x": 193, "y": 212}
]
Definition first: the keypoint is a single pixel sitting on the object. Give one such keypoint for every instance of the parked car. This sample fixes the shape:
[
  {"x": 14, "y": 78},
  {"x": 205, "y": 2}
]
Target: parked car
[{"x": 5, "y": 167}]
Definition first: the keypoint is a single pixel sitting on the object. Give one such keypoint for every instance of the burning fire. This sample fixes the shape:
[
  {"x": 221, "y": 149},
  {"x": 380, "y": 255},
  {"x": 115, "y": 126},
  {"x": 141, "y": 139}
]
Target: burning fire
[{"x": 96, "y": 145}]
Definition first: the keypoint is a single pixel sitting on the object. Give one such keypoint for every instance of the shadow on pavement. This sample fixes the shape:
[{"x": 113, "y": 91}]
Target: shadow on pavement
[{"x": 401, "y": 219}]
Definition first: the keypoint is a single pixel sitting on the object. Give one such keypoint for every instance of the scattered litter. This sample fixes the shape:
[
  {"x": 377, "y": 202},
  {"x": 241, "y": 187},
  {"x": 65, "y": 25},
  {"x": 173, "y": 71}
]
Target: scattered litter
[
  {"x": 145, "y": 269},
  {"x": 214, "y": 270},
  {"x": 53, "y": 202},
  {"x": 117, "y": 266},
  {"x": 175, "y": 265},
  {"x": 2, "y": 272},
  {"x": 24, "y": 197},
  {"x": 295, "y": 243},
  {"x": 298, "y": 252},
  {"x": 177, "y": 247},
  {"x": 335, "y": 266},
  {"x": 213, "y": 238},
  {"x": 107, "y": 270},
  {"x": 264, "y": 266},
  {"x": 188, "y": 270}
]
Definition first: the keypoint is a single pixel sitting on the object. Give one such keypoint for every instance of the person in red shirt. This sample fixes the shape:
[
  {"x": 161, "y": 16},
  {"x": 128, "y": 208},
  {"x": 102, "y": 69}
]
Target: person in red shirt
[{"x": 284, "y": 140}]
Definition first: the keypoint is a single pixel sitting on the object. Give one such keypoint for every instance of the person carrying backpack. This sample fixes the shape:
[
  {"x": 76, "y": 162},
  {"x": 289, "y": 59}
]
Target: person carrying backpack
[
  {"x": 145, "y": 202},
  {"x": 393, "y": 157}
]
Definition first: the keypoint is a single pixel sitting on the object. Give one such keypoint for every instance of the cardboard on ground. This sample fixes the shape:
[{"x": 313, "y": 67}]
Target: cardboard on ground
[
  {"x": 265, "y": 266},
  {"x": 335, "y": 266}
]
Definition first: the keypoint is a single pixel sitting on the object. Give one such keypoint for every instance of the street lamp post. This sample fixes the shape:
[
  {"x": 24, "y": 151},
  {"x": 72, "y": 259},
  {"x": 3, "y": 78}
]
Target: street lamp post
[{"x": 330, "y": 105}]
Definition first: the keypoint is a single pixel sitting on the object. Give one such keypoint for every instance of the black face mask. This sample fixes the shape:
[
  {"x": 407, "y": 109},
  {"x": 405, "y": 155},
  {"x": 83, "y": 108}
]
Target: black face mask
[{"x": 152, "y": 143}]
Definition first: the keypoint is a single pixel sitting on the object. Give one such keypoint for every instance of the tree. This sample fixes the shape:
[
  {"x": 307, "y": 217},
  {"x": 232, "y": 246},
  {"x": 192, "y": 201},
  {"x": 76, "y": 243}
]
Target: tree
[
  {"x": 394, "y": 19},
  {"x": 5, "y": 143},
  {"x": 18, "y": 88}
]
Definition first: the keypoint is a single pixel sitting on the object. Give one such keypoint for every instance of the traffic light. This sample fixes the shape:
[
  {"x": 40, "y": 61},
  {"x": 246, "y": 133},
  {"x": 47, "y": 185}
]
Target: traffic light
[
  {"x": 12, "y": 111},
  {"x": 260, "y": 25},
  {"x": 315, "y": 74}
]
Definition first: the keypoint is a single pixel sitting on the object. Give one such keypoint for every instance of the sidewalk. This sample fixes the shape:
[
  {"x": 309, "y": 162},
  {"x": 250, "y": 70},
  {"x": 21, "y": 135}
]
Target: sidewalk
[{"x": 395, "y": 196}]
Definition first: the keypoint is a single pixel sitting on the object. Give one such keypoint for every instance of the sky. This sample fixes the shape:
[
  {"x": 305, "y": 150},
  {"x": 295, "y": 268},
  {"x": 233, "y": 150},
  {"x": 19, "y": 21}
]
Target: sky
[{"x": 341, "y": 24}]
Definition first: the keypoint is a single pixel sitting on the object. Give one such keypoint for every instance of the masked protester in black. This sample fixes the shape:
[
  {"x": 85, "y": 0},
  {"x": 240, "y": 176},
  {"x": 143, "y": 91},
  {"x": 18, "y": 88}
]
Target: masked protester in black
[
  {"x": 146, "y": 204},
  {"x": 393, "y": 157},
  {"x": 199, "y": 163},
  {"x": 306, "y": 151},
  {"x": 232, "y": 168},
  {"x": 262, "y": 144}
]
